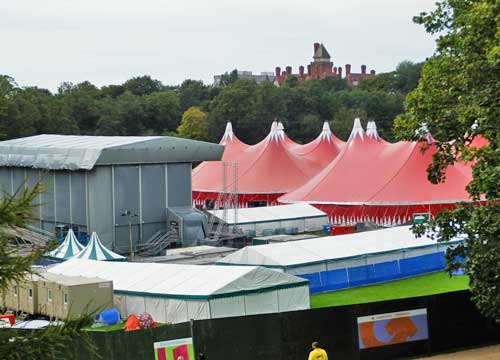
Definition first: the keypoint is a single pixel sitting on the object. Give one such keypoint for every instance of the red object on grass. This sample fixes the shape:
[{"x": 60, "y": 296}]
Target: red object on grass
[{"x": 10, "y": 317}]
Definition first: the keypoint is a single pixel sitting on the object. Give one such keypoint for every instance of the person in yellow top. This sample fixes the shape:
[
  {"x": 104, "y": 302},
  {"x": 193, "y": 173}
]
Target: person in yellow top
[{"x": 317, "y": 353}]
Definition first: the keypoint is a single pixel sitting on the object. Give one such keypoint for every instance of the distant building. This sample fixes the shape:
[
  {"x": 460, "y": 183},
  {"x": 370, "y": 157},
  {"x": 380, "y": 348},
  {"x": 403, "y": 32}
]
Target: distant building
[
  {"x": 320, "y": 68},
  {"x": 247, "y": 75}
]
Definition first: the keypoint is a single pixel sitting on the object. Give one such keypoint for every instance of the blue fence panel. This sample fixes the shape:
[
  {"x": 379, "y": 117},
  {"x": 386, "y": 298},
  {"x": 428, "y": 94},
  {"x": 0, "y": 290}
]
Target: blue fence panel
[
  {"x": 361, "y": 275},
  {"x": 386, "y": 271},
  {"x": 314, "y": 282},
  {"x": 334, "y": 279},
  {"x": 422, "y": 264}
]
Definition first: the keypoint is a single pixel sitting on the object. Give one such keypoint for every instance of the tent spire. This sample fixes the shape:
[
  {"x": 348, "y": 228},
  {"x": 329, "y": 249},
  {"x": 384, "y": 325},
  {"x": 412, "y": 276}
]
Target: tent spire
[
  {"x": 228, "y": 133},
  {"x": 371, "y": 130},
  {"x": 281, "y": 130},
  {"x": 357, "y": 130},
  {"x": 326, "y": 133},
  {"x": 274, "y": 133}
]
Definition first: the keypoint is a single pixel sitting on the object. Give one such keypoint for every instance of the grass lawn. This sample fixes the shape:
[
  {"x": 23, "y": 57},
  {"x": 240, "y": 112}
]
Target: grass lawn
[{"x": 429, "y": 284}]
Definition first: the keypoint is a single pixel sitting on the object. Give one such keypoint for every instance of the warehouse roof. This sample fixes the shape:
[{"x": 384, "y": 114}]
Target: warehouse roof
[{"x": 74, "y": 152}]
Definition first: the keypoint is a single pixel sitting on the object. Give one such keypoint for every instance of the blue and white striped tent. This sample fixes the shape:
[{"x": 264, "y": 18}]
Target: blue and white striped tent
[
  {"x": 68, "y": 248},
  {"x": 95, "y": 250}
]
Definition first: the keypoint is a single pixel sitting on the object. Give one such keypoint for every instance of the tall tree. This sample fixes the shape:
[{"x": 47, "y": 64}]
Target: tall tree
[
  {"x": 457, "y": 100},
  {"x": 163, "y": 111},
  {"x": 193, "y": 125},
  {"x": 142, "y": 85},
  {"x": 55, "y": 342}
]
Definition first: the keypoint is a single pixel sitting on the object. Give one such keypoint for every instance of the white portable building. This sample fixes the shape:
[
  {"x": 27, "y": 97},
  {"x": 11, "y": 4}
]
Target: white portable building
[
  {"x": 174, "y": 293},
  {"x": 304, "y": 217},
  {"x": 342, "y": 261}
]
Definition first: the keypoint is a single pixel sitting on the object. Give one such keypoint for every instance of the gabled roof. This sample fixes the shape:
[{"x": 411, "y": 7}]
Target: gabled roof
[
  {"x": 73, "y": 152},
  {"x": 180, "y": 281},
  {"x": 321, "y": 52},
  {"x": 331, "y": 248}
]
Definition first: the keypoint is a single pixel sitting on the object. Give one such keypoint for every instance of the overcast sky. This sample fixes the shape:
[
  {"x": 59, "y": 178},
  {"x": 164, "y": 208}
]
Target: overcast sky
[{"x": 45, "y": 42}]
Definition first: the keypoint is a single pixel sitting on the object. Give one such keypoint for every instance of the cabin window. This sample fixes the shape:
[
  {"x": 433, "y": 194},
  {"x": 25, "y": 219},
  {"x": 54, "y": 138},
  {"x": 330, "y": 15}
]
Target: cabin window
[
  {"x": 30, "y": 293},
  {"x": 15, "y": 290},
  {"x": 49, "y": 295},
  {"x": 65, "y": 298}
]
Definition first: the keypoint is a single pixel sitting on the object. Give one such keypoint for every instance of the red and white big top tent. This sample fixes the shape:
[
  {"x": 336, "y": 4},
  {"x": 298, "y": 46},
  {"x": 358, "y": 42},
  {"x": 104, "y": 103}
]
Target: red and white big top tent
[
  {"x": 265, "y": 171},
  {"x": 376, "y": 181}
]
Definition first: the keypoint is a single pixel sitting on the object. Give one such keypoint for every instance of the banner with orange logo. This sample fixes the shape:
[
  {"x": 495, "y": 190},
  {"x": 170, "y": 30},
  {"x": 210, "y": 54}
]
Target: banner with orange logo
[{"x": 392, "y": 328}]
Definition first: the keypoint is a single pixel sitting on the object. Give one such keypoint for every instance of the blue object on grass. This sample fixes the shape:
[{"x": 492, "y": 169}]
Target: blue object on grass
[{"x": 110, "y": 317}]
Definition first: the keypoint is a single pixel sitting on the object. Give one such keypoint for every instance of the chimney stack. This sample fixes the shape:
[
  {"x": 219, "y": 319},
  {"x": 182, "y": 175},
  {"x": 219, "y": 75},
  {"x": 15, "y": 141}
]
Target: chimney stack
[
  {"x": 340, "y": 71},
  {"x": 283, "y": 73},
  {"x": 335, "y": 70},
  {"x": 309, "y": 69},
  {"x": 289, "y": 70},
  {"x": 316, "y": 47},
  {"x": 372, "y": 72},
  {"x": 347, "y": 69},
  {"x": 363, "y": 69},
  {"x": 277, "y": 71},
  {"x": 301, "y": 70}
]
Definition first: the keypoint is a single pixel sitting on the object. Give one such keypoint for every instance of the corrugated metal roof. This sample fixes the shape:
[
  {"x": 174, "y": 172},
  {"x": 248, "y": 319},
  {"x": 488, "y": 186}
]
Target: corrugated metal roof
[{"x": 74, "y": 152}]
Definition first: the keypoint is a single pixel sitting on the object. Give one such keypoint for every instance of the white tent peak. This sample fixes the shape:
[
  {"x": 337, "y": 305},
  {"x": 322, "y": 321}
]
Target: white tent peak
[
  {"x": 274, "y": 134},
  {"x": 357, "y": 130},
  {"x": 228, "y": 133},
  {"x": 326, "y": 132},
  {"x": 371, "y": 130}
]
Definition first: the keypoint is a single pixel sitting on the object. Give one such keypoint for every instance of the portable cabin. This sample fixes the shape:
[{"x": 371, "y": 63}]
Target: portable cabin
[{"x": 62, "y": 297}]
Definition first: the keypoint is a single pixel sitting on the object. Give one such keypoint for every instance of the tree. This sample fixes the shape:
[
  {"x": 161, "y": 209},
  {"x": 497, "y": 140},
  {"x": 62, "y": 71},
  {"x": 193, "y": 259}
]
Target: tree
[
  {"x": 162, "y": 111},
  {"x": 193, "y": 125},
  {"x": 457, "y": 100},
  {"x": 81, "y": 103},
  {"x": 56, "y": 342},
  {"x": 142, "y": 85},
  {"x": 403, "y": 80},
  {"x": 194, "y": 93},
  {"x": 229, "y": 78}
]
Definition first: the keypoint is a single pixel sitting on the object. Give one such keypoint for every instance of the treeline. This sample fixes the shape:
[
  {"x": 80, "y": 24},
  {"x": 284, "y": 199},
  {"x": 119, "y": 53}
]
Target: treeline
[{"x": 144, "y": 106}]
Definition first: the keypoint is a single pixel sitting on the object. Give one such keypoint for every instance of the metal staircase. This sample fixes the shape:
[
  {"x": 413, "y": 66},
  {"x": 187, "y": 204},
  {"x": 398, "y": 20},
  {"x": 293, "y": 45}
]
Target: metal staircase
[{"x": 157, "y": 243}]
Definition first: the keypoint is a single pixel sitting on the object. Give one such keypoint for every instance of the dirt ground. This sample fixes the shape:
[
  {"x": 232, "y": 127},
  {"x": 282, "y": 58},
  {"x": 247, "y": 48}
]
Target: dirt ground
[{"x": 483, "y": 353}]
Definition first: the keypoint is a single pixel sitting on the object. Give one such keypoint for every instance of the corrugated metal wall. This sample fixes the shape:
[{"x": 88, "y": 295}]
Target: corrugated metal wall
[{"x": 94, "y": 200}]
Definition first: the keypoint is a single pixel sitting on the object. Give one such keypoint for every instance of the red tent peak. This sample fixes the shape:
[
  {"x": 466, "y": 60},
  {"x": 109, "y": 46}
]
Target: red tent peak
[{"x": 357, "y": 131}]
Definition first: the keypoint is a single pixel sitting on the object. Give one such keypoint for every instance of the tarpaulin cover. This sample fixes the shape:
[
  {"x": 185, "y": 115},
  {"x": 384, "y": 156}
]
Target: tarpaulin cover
[{"x": 72, "y": 152}]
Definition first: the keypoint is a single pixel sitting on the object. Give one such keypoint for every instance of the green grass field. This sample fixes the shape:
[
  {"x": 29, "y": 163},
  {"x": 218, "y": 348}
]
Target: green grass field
[{"x": 429, "y": 284}]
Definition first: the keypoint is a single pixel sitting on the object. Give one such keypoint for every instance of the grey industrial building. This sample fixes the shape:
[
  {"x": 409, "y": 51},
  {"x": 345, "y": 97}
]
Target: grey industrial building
[{"x": 90, "y": 182}]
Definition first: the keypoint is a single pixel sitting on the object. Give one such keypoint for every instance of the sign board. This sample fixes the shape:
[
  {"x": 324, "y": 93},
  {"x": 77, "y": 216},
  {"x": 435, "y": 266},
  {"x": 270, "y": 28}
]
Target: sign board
[
  {"x": 179, "y": 349},
  {"x": 392, "y": 328},
  {"x": 421, "y": 218}
]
